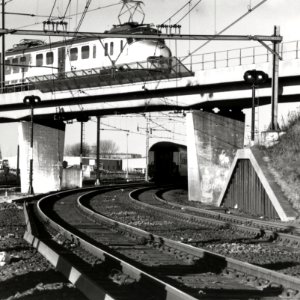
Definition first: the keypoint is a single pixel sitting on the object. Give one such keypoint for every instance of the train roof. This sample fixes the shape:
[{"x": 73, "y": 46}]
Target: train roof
[
  {"x": 28, "y": 45},
  {"x": 167, "y": 145}
]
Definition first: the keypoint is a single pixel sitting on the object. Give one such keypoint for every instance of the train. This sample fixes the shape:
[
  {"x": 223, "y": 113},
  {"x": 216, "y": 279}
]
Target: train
[
  {"x": 33, "y": 58},
  {"x": 167, "y": 163}
]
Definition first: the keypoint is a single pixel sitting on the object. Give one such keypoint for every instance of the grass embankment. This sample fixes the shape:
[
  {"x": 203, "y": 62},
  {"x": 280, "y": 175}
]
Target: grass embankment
[{"x": 285, "y": 160}]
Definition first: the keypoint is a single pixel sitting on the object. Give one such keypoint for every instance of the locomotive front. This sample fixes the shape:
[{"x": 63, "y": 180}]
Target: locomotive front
[{"x": 153, "y": 51}]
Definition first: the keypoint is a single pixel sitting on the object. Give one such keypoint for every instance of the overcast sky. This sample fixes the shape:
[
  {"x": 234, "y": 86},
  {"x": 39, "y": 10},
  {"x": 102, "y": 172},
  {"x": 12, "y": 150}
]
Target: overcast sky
[{"x": 206, "y": 18}]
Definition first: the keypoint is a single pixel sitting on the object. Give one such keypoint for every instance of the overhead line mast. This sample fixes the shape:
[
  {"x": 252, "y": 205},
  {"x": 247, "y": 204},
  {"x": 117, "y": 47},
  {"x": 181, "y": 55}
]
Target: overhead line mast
[{"x": 3, "y": 49}]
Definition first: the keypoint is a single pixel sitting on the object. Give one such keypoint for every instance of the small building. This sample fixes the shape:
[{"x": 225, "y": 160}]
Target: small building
[
  {"x": 89, "y": 164},
  {"x": 135, "y": 165}
]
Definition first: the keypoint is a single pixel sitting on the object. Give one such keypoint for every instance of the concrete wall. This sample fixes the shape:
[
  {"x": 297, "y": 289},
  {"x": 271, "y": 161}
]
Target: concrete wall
[
  {"x": 71, "y": 178},
  {"x": 212, "y": 141},
  {"x": 48, "y": 149}
]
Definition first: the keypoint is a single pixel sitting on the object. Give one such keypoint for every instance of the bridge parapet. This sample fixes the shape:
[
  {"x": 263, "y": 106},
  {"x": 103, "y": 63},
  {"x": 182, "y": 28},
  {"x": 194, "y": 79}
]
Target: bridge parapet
[
  {"x": 153, "y": 69},
  {"x": 240, "y": 56}
]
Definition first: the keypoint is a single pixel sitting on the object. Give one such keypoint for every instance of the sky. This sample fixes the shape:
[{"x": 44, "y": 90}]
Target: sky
[{"x": 208, "y": 17}]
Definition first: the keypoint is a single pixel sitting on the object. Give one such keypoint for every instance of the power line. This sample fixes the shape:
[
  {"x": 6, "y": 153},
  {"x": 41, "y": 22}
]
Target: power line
[
  {"x": 66, "y": 9},
  {"x": 88, "y": 2},
  {"x": 227, "y": 27},
  {"x": 71, "y": 15},
  {"x": 179, "y": 10},
  {"x": 188, "y": 11},
  {"x": 52, "y": 9}
]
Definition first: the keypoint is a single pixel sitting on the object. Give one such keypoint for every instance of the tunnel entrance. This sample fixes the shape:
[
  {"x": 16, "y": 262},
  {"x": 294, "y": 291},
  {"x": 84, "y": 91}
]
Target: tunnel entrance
[{"x": 168, "y": 163}]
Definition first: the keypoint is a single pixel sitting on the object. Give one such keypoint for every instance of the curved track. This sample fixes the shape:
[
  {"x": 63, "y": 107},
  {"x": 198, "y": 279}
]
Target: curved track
[
  {"x": 201, "y": 274},
  {"x": 271, "y": 249}
]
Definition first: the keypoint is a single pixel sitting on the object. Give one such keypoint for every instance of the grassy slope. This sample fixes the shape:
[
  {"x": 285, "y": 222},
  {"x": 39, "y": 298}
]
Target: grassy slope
[{"x": 285, "y": 161}]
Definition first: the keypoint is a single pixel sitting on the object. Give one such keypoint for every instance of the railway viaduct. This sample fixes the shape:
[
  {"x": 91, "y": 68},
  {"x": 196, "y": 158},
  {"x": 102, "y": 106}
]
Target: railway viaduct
[{"x": 212, "y": 139}]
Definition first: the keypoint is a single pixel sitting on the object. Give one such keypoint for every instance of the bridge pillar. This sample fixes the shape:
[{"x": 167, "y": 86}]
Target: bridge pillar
[
  {"x": 212, "y": 141},
  {"x": 48, "y": 146}
]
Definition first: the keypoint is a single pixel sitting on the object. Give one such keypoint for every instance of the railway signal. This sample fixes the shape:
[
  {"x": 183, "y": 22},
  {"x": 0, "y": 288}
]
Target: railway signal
[
  {"x": 31, "y": 101},
  {"x": 254, "y": 77}
]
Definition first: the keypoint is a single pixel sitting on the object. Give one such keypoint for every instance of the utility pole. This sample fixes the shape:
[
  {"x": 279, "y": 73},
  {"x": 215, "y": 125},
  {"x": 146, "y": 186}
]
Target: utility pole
[
  {"x": 127, "y": 134},
  {"x": 3, "y": 49},
  {"x": 98, "y": 153},
  {"x": 275, "y": 86},
  {"x": 147, "y": 147},
  {"x": 81, "y": 143}
]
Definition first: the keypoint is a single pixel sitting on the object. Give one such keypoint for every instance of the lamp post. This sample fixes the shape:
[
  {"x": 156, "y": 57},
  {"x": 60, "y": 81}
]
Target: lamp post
[
  {"x": 32, "y": 101},
  {"x": 254, "y": 77}
]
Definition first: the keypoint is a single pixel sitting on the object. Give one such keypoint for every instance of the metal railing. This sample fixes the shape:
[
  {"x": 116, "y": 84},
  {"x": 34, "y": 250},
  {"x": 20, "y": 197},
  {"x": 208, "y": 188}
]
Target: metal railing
[
  {"x": 240, "y": 56},
  {"x": 153, "y": 69}
]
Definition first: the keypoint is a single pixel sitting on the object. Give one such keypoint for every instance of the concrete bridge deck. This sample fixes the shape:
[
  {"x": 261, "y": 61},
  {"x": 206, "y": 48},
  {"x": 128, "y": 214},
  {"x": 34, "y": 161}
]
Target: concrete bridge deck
[
  {"x": 218, "y": 82},
  {"x": 206, "y": 89}
]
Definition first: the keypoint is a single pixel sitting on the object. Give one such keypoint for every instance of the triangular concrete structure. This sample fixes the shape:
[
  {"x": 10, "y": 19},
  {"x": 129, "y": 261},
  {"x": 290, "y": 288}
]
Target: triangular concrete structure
[{"x": 274, "y": 194}]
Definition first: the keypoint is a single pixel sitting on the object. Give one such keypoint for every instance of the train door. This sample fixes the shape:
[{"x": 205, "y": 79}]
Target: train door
[{"x": 61, "y": 61}]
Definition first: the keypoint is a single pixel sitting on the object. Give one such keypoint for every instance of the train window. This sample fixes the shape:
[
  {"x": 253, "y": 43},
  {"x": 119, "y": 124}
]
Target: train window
[
  {"x": 73, "y": 54},
  {"x": 49, "y": 58},
  {"x": 111, "y": 48},
  {"x": 94, "y": 51},
  {"x": 7, "y": 67},
  {"x": 85, "y": 52},
  {"x": 106, "y": 49},
  {"x": 39, "y": 60},
  {"x": 121, "y": 46},
  {"x": 23, "y": 61},
  {"x": 15, "y": 61},
  {"x": 130, "y": 41}
]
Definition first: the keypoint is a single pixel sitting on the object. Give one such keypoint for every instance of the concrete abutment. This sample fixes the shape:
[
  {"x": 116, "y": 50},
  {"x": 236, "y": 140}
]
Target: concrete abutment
[
  {"x": 212, "y": 141},
  {"x": 48, "y": 148}
]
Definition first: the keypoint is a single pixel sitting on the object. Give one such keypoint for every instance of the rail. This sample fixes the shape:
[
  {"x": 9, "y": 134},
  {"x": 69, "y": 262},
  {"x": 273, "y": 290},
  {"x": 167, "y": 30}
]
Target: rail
[{"x": 240, "y": 56}]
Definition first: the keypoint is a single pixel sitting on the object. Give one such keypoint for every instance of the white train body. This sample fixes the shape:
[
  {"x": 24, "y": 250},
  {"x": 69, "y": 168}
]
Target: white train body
[{"x": 25, "y": 61}]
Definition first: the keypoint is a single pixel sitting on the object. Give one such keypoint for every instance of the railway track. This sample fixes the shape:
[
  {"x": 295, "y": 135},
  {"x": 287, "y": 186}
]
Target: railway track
[
  {"x": 272, "y": 249},
  {"x": 123, "y": 262},
  {"x": 273, "y": 226}
]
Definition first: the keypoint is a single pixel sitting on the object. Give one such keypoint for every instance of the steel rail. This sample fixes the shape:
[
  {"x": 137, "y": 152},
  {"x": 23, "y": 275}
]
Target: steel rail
[
  {"x": 158, "y": 36},
  {"x": 189, "y": 217},
  {"x": 88, "y": 287},
  {"x": 270, "y": 229},
  {"x": 255, "y": 275}
]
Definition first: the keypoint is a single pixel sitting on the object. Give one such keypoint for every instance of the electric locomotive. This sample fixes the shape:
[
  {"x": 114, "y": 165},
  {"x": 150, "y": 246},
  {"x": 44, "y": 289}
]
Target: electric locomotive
[{"x": 33, "y": 58}]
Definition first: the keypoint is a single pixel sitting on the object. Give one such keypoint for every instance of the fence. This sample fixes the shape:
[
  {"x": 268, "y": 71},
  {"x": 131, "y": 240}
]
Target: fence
[{"x": 240, "y": 56}]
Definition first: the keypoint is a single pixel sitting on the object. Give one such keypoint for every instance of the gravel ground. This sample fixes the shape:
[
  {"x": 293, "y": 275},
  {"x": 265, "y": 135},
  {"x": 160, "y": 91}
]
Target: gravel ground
[
  {"x": 24, "y": 273},
  {"x": 224, "y": 241}
]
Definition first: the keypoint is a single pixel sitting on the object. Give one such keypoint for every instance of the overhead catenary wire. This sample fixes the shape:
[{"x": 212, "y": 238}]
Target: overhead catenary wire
[
  {"x": 226, "y": 28},
  {"x": 52, "y": 9},
  {"x": 70, "y": 16},
  {"x": 88, "y": 2},
  {"x": 178, "y": 11},
  {"x": 66, "y": 10},
  {"x": 189, "y": 11}
]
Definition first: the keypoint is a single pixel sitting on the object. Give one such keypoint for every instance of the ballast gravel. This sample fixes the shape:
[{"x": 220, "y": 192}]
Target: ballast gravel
[{"x": 24, "y": 273}]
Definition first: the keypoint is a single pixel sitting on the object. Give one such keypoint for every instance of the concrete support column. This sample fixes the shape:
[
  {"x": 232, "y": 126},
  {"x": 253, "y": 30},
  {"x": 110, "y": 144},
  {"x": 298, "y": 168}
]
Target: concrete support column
[
  {"x": 212, "y": 141},
  {"x": 48, "y": 147}
]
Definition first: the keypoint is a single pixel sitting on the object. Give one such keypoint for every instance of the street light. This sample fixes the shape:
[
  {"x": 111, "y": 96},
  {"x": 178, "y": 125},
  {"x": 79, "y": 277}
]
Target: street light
[
  {"x": 31, "y": 100},
  {"x": 254, "y": 77}
]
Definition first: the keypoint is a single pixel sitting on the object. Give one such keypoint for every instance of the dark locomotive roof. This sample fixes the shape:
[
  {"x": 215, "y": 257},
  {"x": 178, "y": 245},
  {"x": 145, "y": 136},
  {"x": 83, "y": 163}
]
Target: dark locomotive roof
[
  {"x": 167, "y": 145},
  {"x": 134, "y": 27}
]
